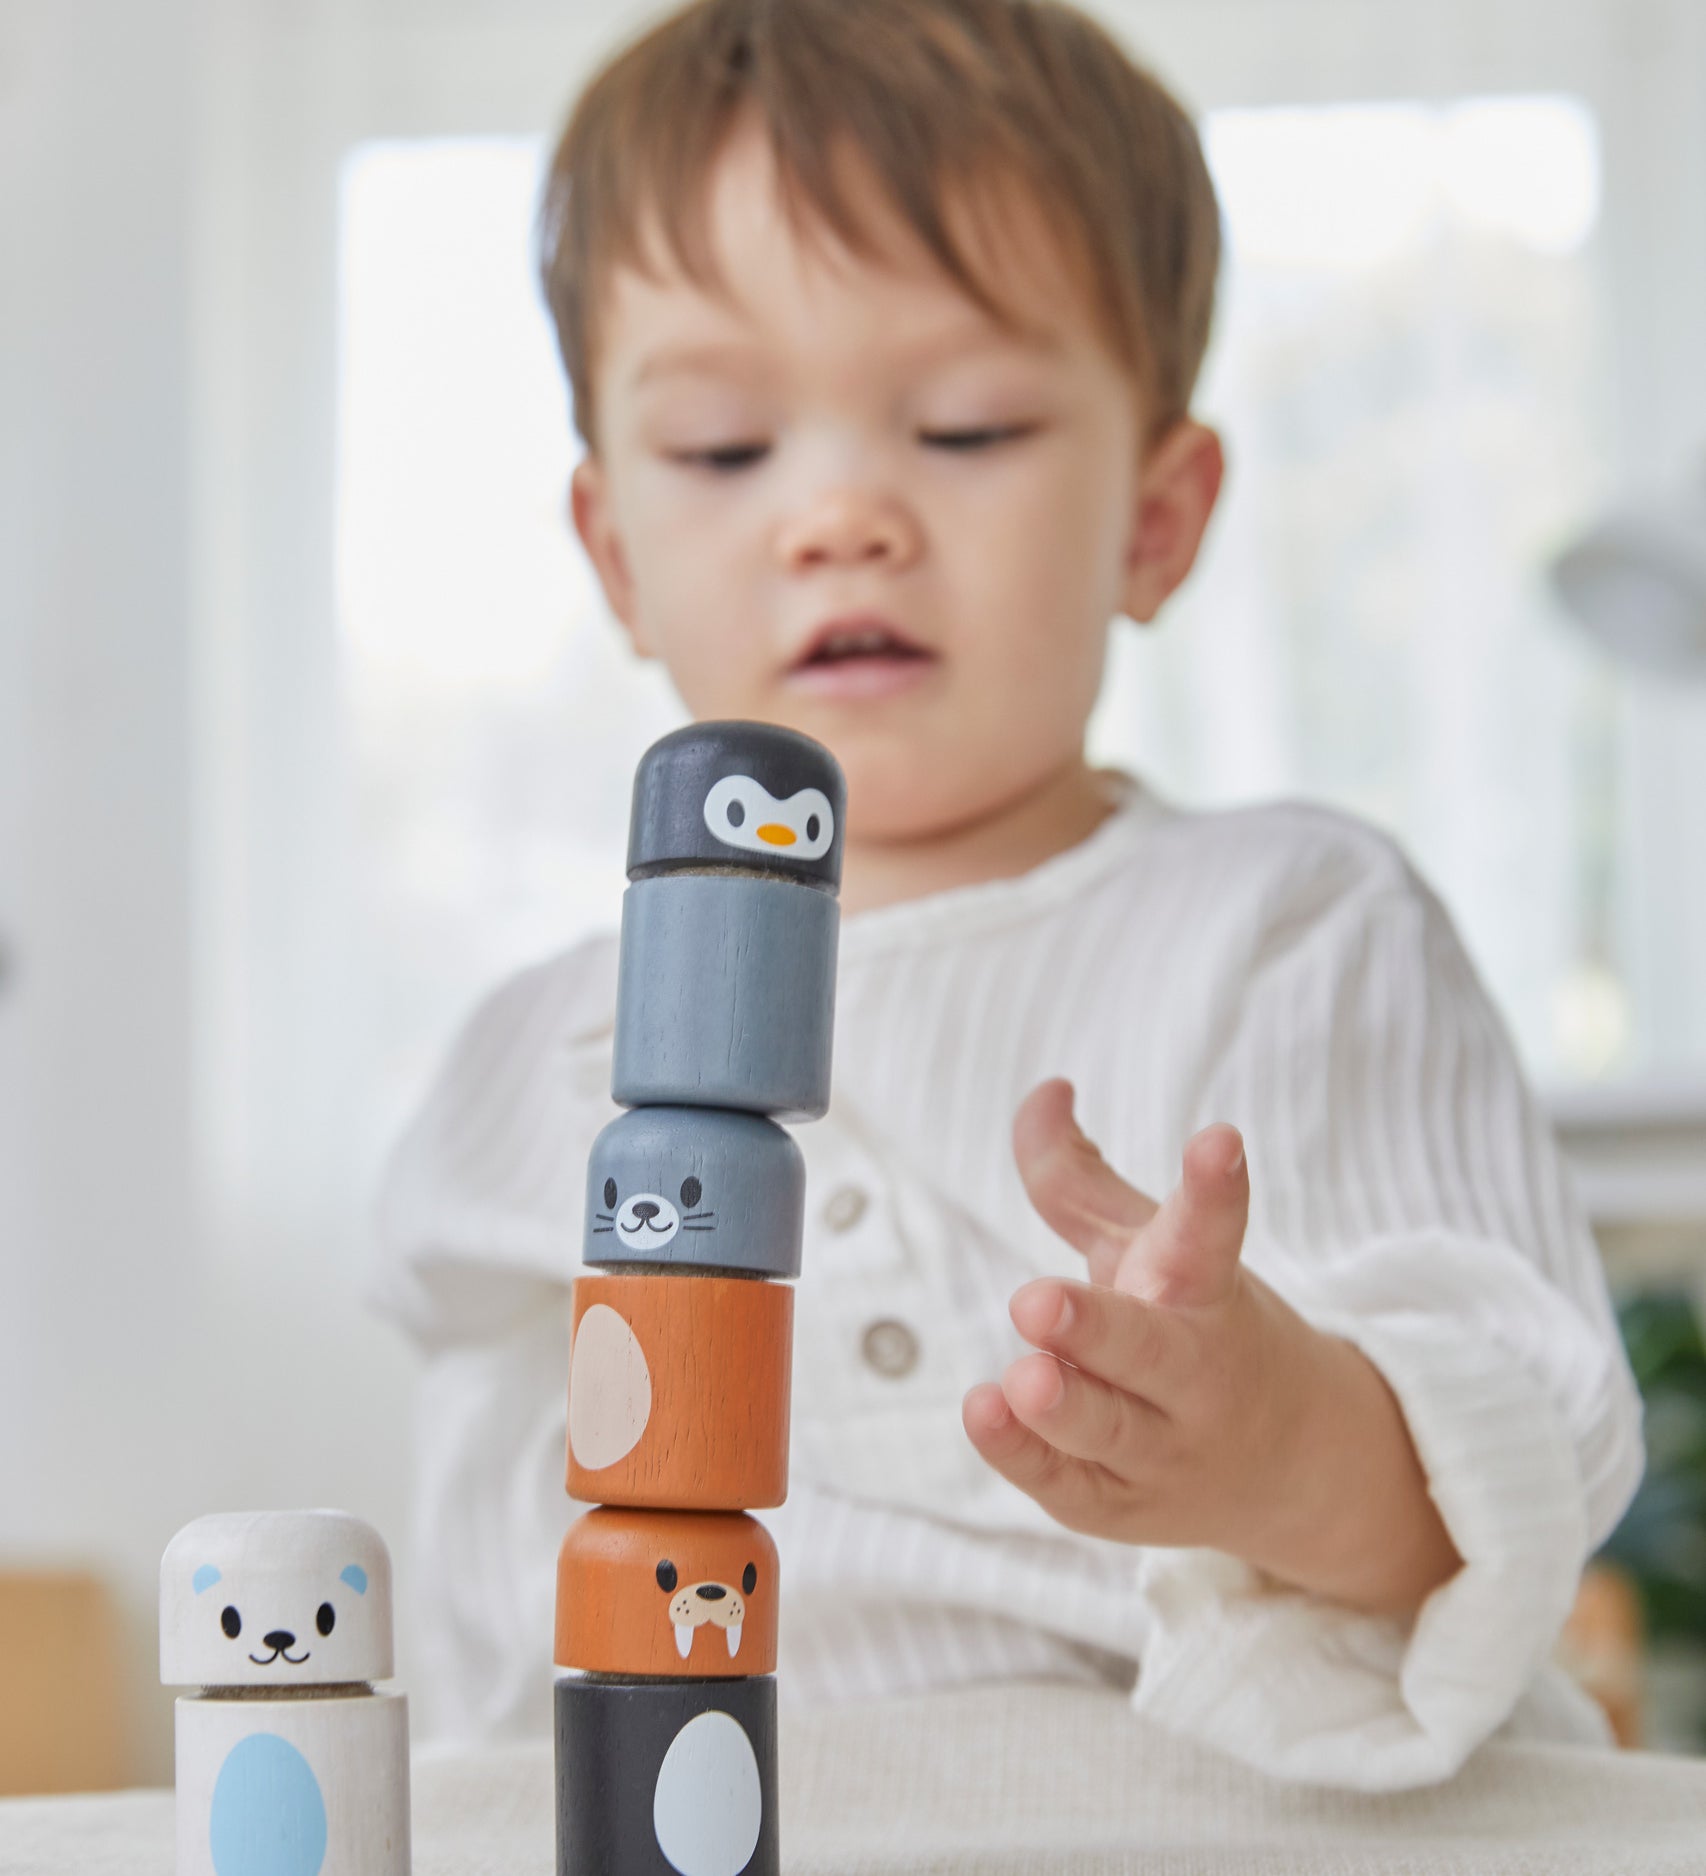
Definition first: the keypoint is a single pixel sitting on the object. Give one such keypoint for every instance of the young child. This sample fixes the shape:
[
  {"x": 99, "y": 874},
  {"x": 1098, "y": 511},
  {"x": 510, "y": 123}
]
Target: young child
[{"x": 882, "y": 319}]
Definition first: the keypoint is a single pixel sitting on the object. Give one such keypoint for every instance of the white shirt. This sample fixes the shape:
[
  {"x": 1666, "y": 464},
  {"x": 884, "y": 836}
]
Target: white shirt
[{"x": 1277, "y": 967}]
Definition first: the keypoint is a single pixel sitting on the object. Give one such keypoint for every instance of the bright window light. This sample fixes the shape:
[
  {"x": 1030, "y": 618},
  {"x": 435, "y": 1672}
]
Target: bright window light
[
  {"x": 1351, "y": 186},
  {"x": 1406, "y": 369},
  {"x": 456, "y": 568}
]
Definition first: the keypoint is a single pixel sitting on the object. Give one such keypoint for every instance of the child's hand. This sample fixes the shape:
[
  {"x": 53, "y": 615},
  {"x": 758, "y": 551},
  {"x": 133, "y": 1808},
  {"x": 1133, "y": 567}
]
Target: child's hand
[{"x": 1179, "y": 1400}]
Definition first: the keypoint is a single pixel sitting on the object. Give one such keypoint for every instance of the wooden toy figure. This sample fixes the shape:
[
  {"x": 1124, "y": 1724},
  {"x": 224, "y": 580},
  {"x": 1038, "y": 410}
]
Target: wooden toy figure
[
  {"x": 667, "y": 1592},
  {"x": 289, "y": 1763},
  {"x": 725, "y": 992},
  {"x": 678, "y": 1391},
  {"x": 695, "y": 1186},
  {"x": 681, "y": 1353}
]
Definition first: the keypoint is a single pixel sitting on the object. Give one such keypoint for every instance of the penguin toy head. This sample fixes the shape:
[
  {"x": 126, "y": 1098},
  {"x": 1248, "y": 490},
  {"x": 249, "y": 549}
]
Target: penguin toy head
[{"x": 753, "y": 796}]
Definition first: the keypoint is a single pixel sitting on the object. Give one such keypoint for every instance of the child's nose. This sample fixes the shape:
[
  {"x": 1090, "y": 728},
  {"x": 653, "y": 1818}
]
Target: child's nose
[{"x": 850, "y": 527}]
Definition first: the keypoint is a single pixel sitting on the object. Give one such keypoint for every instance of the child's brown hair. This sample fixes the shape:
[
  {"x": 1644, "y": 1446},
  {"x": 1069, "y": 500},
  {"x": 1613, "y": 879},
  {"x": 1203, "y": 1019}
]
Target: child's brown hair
[{"x": 944, "y": 100}]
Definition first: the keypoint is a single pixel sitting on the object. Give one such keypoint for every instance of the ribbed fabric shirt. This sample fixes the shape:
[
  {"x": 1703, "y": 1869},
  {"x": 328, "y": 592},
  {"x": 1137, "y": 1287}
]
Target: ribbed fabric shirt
[{"x": 1279, "y": 967}]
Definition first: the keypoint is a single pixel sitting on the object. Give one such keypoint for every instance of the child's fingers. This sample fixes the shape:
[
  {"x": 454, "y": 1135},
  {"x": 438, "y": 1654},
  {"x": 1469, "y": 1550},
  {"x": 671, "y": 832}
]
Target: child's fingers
[
  {"x": 1082, "y": 1416},
  {"x": 1119, "y": 1338},
  {"x": 1074, "y": 1492},
  {"x": 1076, "y": 1192},
  {"x": 1188, "y": 1253}
]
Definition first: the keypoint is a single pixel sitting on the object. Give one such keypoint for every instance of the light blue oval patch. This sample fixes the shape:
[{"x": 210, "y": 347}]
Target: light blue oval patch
[
  {"x": 354, "y": 1575},
  {"x": 268, "y": 1816},
  {"x": 204, "y": 1578}
]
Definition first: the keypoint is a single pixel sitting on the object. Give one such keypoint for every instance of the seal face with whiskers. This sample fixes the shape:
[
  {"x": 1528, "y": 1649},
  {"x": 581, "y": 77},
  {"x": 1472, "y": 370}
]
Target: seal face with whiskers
[{"x": 695, "y": 1185}]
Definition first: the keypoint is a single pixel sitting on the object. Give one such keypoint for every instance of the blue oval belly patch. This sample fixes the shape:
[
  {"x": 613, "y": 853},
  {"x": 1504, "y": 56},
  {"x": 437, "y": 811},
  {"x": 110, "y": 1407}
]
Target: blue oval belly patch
[{"x": 268, "y": 1816}]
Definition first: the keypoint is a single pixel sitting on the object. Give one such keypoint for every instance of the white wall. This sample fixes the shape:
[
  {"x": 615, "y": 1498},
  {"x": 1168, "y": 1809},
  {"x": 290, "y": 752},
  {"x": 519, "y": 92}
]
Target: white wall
[
  {"x": 154, "y": 1361},
  {"x": 99, "y": 1253}
]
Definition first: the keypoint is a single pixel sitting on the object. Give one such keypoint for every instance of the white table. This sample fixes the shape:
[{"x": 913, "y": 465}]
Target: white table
[{"x": 1019, "y": 1781}]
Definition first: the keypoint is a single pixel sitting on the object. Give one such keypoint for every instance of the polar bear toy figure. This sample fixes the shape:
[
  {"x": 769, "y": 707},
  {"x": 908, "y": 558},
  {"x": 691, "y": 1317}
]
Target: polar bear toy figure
[{"x": 288, "y": 1762}]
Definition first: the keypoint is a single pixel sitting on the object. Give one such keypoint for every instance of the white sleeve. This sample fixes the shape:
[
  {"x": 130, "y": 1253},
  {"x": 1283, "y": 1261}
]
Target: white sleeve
[
  {"x": 482, "y": 1210},
  {"x": 480, "y": 1226},
  {"x": 490, "y": 1510},
  {"x": 1408, "y": 1195}
]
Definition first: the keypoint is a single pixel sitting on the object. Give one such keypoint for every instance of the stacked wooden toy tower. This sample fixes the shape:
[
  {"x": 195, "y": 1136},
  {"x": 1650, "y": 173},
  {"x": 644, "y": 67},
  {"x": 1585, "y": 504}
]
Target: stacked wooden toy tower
[{"x": 681, "y": 1361}]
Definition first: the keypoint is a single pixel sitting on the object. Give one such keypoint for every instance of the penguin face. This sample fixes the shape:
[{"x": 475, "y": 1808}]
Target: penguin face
[
  {"x": 743, "y": 813},
  {"x": 749, "y": 795}
]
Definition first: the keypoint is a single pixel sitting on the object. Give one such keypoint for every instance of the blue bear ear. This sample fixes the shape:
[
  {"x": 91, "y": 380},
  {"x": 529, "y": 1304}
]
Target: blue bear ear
[
  {"x": 204, "y": 1578},
  {"x": 354, "y": 1575}
]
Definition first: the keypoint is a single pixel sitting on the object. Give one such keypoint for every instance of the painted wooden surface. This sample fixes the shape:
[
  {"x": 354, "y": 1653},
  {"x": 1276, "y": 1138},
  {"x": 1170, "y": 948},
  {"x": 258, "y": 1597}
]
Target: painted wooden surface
[
  {"x": 275, "y": 1600},
  {"x": 666, "y": 1778},
  {"x": 740, "y": 794},
  {"x": 667, "y": 1592},
  {"x": 678, "y": 1391},
  {"x": 695, "y": 1185},
  {"x": 725, "y": 994},
  {"x": 291, "y": 1786}
]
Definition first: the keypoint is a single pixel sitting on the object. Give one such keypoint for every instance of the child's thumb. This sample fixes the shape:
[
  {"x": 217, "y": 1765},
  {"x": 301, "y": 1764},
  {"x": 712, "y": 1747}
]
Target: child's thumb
[
  {"x": 1188, "y": 1255},
  {"x": 1074, "y": 1189}
]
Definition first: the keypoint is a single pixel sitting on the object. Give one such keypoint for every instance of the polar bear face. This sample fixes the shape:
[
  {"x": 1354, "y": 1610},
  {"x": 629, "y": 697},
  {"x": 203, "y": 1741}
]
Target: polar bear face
[{"x": 275, "y": 1600}]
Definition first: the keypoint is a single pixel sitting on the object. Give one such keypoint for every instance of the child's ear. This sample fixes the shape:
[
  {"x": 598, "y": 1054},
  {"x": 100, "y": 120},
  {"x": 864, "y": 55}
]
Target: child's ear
[
  {"x": 1176, "y": 492},
  {"x": 590, "y": 510}
]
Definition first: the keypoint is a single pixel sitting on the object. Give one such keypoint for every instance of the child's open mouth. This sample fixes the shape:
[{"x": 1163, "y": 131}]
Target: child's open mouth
[{"x": 860, "y": 657}]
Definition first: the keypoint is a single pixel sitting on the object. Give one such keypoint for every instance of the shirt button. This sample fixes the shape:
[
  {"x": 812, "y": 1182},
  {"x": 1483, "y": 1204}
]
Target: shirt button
[
  {"x": 844, "y": 1208},
  {"x": 890, "y": 1348}
]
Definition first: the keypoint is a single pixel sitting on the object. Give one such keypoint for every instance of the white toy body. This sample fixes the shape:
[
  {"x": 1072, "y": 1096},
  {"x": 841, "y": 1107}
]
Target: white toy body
[
  {"x": 288, "y": 1762},
  {"x": 293, "y": 1787}
]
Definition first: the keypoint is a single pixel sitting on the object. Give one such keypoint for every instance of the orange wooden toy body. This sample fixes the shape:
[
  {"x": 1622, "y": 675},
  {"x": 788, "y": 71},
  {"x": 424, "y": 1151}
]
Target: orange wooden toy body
[{"x": 678, "y": 1391}]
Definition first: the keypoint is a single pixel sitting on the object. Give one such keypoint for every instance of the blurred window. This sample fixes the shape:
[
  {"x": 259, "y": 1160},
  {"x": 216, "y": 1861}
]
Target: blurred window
[{"x": 1411, "y": 371}]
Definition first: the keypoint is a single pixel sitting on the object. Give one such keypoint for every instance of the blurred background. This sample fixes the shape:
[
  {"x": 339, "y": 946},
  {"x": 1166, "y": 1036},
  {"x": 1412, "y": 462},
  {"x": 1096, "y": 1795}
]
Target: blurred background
[{"x": 308, "y": 704}]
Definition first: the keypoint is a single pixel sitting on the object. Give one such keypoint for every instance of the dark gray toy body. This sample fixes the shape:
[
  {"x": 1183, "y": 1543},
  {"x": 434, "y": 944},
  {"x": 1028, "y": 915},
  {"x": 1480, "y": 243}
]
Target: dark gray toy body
[
  {"x": 738, "y": 794},
  {"x": 666, "y": 1778},
  {"x": 695, "y": 1185},
  {"x": 725, "y": 995}
]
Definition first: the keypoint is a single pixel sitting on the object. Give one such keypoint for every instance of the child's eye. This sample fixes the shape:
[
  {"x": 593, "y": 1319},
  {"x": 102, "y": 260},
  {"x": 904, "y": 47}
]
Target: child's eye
[
  {"x": 975, "y": 439},
  {"x": 723, "y": 456}
]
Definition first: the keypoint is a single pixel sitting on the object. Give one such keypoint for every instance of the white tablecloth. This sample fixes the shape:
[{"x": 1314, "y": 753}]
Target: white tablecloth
[{"x": 1032, "y": 1781}]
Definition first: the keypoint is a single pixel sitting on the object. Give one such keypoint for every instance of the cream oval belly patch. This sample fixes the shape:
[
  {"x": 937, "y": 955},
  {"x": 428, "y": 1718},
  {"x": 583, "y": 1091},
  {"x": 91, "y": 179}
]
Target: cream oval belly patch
[{"x": 610, "y": 1389}]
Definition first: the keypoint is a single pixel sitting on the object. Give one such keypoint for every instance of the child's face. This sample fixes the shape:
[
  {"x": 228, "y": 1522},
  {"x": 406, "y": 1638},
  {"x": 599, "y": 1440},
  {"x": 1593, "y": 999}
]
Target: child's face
[{"x": 883, "y": 452}]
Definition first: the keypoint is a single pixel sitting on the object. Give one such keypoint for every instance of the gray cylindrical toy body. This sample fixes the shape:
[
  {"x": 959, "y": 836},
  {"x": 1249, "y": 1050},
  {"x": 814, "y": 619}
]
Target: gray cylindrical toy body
[
  {"x": 666, "y": 1777},
  {"x": 726, "y": 994},
  {"x": 695, "y": 1185}
]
